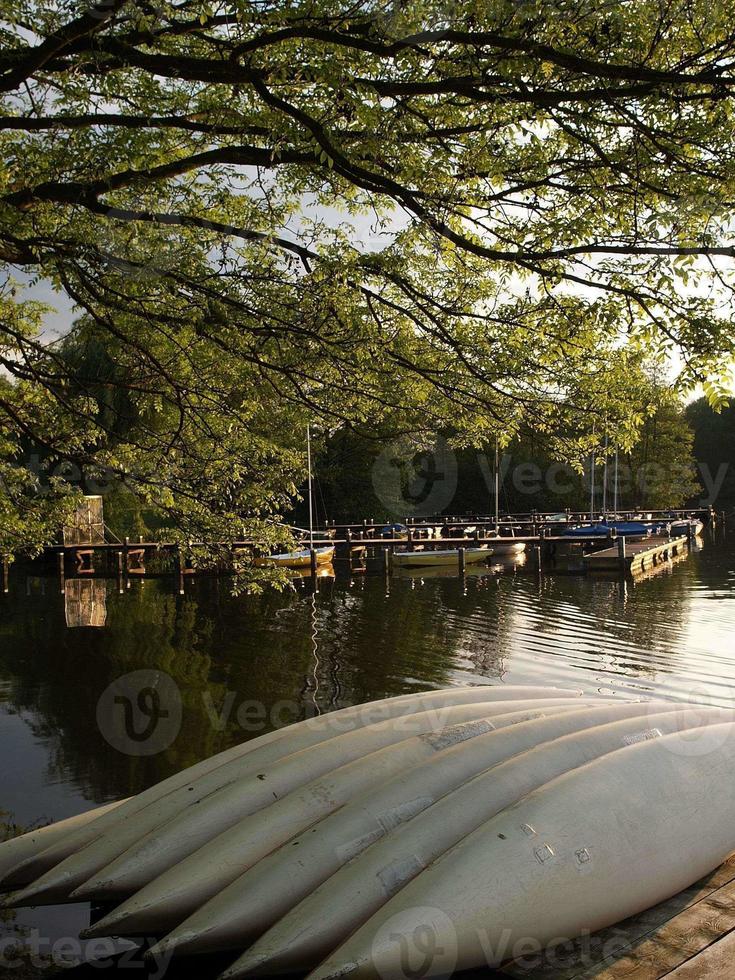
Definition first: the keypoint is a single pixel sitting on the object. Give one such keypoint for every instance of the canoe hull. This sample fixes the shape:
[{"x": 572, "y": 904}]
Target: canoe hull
[
  {"x": 553, "y": 867},
  {"x": 139, "y": 814},
  {"x": 362, "y": 887}
]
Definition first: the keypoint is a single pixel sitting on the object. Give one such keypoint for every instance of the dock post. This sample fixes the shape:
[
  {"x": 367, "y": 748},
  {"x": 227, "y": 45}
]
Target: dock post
[
  {"x": 6, "y": 563},
  {"x": 386, "y": 560},
  {"x": 621, "y": 553},
  {"x": 690, "y": 535},
  {"x": 120, "y": 581},
  {"x": 461, "y": 558},
  {"x": 62, "y": 582},
  {"x": 179, "y": 569},
  {"x": 313, "y": 563}
]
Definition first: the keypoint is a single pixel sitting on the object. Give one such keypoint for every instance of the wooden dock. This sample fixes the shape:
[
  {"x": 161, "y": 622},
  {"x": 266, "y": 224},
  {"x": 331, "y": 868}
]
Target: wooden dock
[
  {"x": 688, "y": 937},
  {"x": 88, "y": 549},
  {"x": 636, "y": 556}
]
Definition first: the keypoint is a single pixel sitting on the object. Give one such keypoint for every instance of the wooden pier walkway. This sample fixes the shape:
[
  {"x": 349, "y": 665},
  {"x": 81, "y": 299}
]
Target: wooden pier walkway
[
  {"x": 636, "y": 556},
  {"x": 688, "y": 937},
  {"x": 86, "y": 544}
]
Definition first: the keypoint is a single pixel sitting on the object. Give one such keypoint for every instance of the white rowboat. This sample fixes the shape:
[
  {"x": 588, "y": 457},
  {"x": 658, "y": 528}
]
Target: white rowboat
[{"x": 449, "y": 556}]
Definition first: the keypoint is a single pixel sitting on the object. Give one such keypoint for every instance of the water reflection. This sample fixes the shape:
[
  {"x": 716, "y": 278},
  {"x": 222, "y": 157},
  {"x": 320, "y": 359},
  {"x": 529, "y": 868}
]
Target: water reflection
[
  {"x": 669, "y": 634},
  {"x": 85, "y": 602}
]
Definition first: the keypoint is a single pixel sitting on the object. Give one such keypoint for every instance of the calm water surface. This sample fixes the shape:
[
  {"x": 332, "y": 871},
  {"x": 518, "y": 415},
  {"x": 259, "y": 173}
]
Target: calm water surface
[{"x": 671, "y": 634}]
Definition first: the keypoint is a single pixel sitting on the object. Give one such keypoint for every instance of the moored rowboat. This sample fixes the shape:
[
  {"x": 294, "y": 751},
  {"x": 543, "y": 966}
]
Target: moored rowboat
[
  {"x": 297, "y": 559},
  {"x": 449, "y": 556}
]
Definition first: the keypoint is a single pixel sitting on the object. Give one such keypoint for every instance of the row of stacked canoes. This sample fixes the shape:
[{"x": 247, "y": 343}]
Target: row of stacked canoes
[{"x": 468, "y": 820}]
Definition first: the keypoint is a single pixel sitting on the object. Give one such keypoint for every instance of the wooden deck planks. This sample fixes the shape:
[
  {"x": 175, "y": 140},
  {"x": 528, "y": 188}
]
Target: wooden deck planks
[{"x": 714, "y": 963}]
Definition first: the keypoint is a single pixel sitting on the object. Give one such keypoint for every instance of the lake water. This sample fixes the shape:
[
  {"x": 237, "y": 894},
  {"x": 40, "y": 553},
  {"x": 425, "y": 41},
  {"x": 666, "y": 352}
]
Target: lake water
[{"x": 239, "y": 665}]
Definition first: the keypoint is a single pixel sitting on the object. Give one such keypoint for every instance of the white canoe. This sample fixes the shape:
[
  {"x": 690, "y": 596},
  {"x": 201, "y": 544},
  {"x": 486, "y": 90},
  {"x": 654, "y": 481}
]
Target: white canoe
[
  {"x": 299, "y": 735},
  {"x": 462, "y": 829},
  {"x": 588, "y": 849},
  {"x": 175, "y": 894},
  {"x": 159, "y": 802},
  {"x": 363, "y": 886},
  {"x": 448, "y": 556},
  {"x": 213, "y": 812},
  {"x": 258, "y": 898},
  {"x": 19, "y": 849}
]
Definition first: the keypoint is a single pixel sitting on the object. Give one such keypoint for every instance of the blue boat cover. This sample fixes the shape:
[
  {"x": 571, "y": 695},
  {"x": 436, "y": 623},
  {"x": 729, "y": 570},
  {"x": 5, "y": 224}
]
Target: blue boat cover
[{"x": 622, "y": 527}]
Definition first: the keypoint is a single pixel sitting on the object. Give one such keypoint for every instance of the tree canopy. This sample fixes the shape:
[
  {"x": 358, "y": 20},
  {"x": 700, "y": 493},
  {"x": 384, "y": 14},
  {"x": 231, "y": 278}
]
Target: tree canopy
[{"x": 488, "y": 214}]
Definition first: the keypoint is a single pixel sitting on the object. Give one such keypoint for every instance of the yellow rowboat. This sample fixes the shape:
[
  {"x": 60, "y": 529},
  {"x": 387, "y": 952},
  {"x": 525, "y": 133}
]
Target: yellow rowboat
[
  {"x": 298, "y": 559},
  {"x": 450, "y": 556}
]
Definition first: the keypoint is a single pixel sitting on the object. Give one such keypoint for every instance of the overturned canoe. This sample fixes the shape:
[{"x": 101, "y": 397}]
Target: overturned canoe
[
  {"x": 167, "y": 797},
  {"x": 181, "y": 890},
  {"x": 209, "y": 814},
  {"x": 585, "y": 850},
  {"x": 359, "y": 890},
  {"x": 331, "y": 737},
  {"x": 262, "y": 896}
]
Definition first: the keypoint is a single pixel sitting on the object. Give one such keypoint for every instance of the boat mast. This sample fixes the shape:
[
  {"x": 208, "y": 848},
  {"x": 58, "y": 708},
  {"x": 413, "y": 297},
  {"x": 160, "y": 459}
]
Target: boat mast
[
  {"x": 604, "y": 479},
  {"x": 497, "y": 488},
  {"x": 311, "y": 496},
  {"x": 592, "y": 486},
  {"x": 615, "y": 484}
]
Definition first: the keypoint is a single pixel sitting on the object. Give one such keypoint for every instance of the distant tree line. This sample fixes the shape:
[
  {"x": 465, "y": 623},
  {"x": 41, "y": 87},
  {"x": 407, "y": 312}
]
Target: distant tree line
[
  {"x": 685, "y": 456},
  {"x": 714, "y": 448}
]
